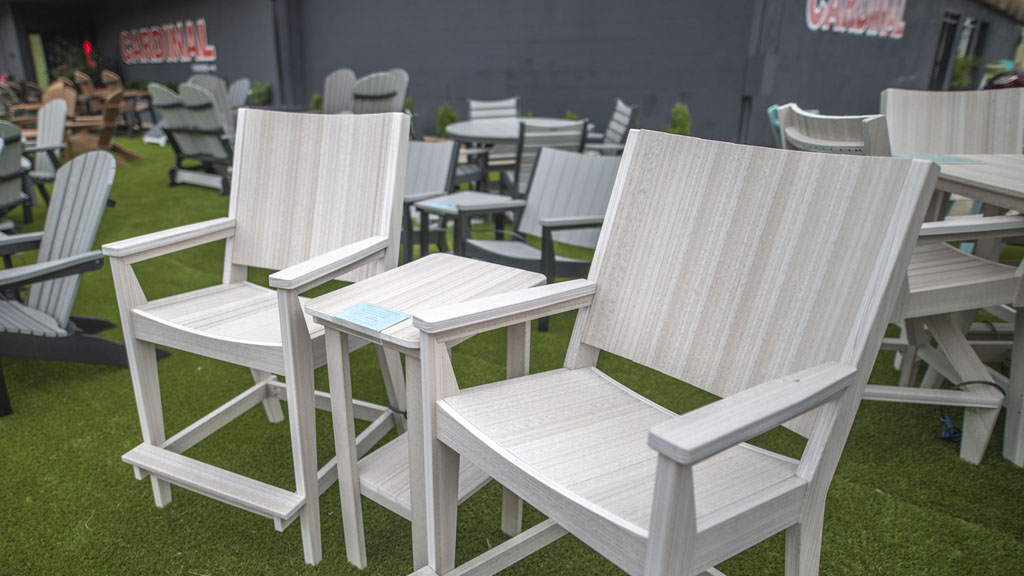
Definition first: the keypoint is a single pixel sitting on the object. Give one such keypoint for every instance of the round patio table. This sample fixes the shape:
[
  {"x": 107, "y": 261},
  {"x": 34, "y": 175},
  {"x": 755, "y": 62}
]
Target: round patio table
[{"x": 497, "y": 130}]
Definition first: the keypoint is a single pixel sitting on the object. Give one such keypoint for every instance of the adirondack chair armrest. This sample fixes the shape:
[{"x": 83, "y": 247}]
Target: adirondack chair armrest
[
  {"x": 420, "y": 196},
  {"x": 40, "y": 271},
  {"x": 170, "y": 240},
  {"x": 605, "y": 147},
  {"x": 570, "y": 222},
  {"x": 15, "y": 243},
  {"x": 493, "y": 312},
  {"x": 963, "y": 229},
  {"x": 706, "y": 431},
  {"x": 34, "y": 148},
  {"x": 324, "y": 267}
]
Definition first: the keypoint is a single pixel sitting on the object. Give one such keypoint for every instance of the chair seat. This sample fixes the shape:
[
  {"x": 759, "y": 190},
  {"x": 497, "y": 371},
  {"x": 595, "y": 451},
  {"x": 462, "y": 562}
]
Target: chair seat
[
  {"x": 520, "y": 252},
  {"x": 16, "y": 318},
  {"x": 42, "y": 176},
  {"x": 943, "y": 279},
  {"x": 236, "y": 323},
  {"x": 579, "y": 437}
]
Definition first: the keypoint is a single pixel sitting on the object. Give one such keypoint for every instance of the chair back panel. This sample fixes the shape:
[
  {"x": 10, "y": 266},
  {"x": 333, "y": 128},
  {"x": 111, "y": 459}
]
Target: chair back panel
[
  {"x": 50, "y": 132},
  {"x": 79, "y": 197},
  {"x": 484, "y": 109},
  {"x": 84, "y": 82},
  {"x": 218, "y": 90},
  {"x": 61, "y": 91},
  {"x": 620, "y": 123},
  {"x": 338, "y": 91},
  {"x": 111, "y": 112},
  {"x": 380, "y": 92},
  {"x": 569, "y": 184},
  {"x": 725, "y": 266},
  {"x": 430, "y": 167},
  {"x": 238, "y": 92},
  {"x": 11, "y": 190},
  {"x": 111, "y": 80},
  {"x": 172, "y": 109},
  {"x": 203, "y": 121},
  {"x": 532, "y": 138},
  {"x": 968, "y": 122},
  {"x": 305, "y": 184},
  {"x": 802, "y": 130}
]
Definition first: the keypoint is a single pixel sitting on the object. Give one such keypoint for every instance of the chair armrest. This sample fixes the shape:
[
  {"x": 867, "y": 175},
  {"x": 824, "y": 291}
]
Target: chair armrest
[
  {"x": 35, "y": 148},
  {"x": 694, "y": 436},
  {"x": 40, "y": 271},
  {"x": 173, "y": 239},
  {"x": 605, "y": 147},
  {"x": 505, "y": 309},
  {"x": 959, "y": 229},
  {"x": 420, "y": 196},
  {"x": 594, "y": 137},
  {"x": 327, "y": 266},
  {"x": 570, "y": 222},
  {"x": 15, "y": 243}
]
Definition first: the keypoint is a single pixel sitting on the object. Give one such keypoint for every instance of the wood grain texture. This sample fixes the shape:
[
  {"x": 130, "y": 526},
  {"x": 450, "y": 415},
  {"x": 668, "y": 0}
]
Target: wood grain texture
[
  {"x": 969, "y": 122},
  {"x": 338, "y": 91},
  {"x": 534, "y": 136},
  {"x": 218, "y": 90}
]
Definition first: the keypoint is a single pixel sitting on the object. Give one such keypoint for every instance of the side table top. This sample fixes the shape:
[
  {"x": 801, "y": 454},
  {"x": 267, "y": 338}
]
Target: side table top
[
  {"x": 430, "y": 282},
  {"x": 469, "y": 201}
]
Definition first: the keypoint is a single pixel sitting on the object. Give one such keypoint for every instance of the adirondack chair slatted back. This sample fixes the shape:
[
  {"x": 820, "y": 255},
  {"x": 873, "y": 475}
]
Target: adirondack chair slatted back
[
  {"x": 111, "y": 80},
  {"x": 172, "y": 109},
  {"x": 620, "y": 123},
  {"x": 218, "y": 90},
  {"x": 770, "y": 261},
  {"x": 8, "y": 98},
  {"x": 484, "y": 109},
  {"x": 111, "y": 111},
  {"x": 79, "y": 197},
  {"x": 10, "y": 165},
  {"x": 338, "y": 91},
  {"x": 380, "y": 92},
  {"x": 61, "y": 91},
  {"x": 238, "y": 92},
  {"x": 569, "y": 184},
  {"x": 344, "y": 175},
  {"x": 802, "y": 130},
  {"x": 84, "y": 82},
  {"x": 50, "y": 132},
  {"x": 533, "y": 137},
  {"x": 969, "y": 122},
  {"x": 203, "y": 120},
  {"x": 430, "y": 167}
]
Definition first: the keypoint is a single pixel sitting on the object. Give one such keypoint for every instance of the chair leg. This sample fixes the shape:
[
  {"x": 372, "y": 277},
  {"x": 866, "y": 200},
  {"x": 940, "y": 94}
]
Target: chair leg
[
  {"x": 1013, "y": 435},
  {"x": 803, "y": 547},
  {"x": 517, "y": 363},
  {"x": 41, "y": 188},
  {"x": 407, "y": 232},
  {"x": 909, "y": 363},
  {"x": 271, "y": 404},
  {"x": 146, "y": 384},
  {"x": 394, "y": 383},
  {"x": 5, "y": 400}
]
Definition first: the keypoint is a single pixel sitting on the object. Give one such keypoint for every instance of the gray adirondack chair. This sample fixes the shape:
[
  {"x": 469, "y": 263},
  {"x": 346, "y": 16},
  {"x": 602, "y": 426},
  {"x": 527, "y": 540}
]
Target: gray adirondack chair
[
  {"x": 202, "y": 153},
  {"x": 778, "y": 312},
  {"x": 13, "y": 170},
  {"x": 613, "y": 140},
  {"x": 532, "y": 138},
  {"x": 429, "y": 172},
  {"x": 380, "y": 92},
  {"x": 338, "y": 91},
  {"x": 238, "y": 93},
  {"x": 48, "y": 145},
  {"x": 218, "y": 89},
  {"x": 42, "y": 326}
]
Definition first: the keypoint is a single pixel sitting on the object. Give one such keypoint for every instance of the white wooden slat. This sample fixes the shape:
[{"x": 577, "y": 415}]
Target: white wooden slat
[
  {"x": 810, "y": 132},
  {"x": 205, "y": 121},
  {"x": 11, "y": 193},
  {"x": 501, "y": 108},
  {"x": 533, "y": 137},
  {"x": 943, "y": 279},
  {"x": 620, "y": 123},
  {"x": 338, "y": 91},
  {"x": 238, "y": 92},
  {"x": 17, "y": 318},
  {"x": 217, "y": 88},
  {"x": 932, "y": 396},
  {"x": 429, "y": 167},
  {"x": 967, "y": 122},
  {"x": 49, "y": 132}
]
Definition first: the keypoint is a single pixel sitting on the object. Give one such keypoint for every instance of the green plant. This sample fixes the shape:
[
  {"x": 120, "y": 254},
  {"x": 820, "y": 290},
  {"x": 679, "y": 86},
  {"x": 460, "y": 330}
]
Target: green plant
[
  {"x": 963, "y": 71},
  {"x": 570, "y": 115},
  {"x": 66, "y": 58},
  {"x": 172, "y": 84},
  {"x": 680, "y": 123},
  {"x": 259, "y": 93},
  {"x": 445, "y": 116},
  {"x": 317, "y": 102},
  {"x": 528, "y": 114},
  {"x": 135, "y": 84},
  {"x": 409, "y": 105}
]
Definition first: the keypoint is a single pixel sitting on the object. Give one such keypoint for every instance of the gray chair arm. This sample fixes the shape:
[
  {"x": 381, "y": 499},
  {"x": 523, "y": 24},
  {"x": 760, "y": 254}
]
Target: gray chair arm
[
  {"x": 40, "y": 271},
  {"x": 15, "y": 243}
]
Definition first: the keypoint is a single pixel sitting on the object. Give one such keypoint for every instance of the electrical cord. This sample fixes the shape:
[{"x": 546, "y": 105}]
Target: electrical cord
[{"x": 951, "y": 433}]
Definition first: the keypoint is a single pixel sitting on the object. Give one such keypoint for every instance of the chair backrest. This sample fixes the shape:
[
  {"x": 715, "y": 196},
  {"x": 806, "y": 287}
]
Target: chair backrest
[
  {"x": 50, "y": 132},
  {"x": 61, "y": 91},
  {"x": 430, "y": 167},
  {"x": 218, "y": 90},
  {"x": 84, "y": 82},
  {"x": 338, "y": 91},
  {"x": 203, "y": 122},
  {"x": 532, "y": 137},
  {"x": 380, "y": 92},
  {"x": 484, "y": 109},
  {"x": 111, "y": 112},
  {"x": 968, "y": 122},
  {"x": 802, "y": 130},
  {"x": 621, "y": 121},
  {"x": 33, "y": 93},
  {"x": 79, "y": 197},
  {"x": 305, "y": 184},
  {"x": 569, "y": 184},
  {"x": 111, "y": 80},
  {"x": 238, "y": 92},
  {"x": 10, "y": 165},
  {"x": 8, "y": 98},
  {"x": 739, "y": 264}
]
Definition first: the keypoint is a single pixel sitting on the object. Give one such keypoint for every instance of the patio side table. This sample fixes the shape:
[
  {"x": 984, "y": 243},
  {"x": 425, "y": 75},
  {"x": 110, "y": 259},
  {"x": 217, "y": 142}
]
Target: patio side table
[
  {"x": 462, "y": 206},
  {"x": 380, "y": 310}
]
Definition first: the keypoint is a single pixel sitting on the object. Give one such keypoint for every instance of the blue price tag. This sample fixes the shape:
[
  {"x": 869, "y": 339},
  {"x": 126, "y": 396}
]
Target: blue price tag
[{"x": 370, "y": 316}]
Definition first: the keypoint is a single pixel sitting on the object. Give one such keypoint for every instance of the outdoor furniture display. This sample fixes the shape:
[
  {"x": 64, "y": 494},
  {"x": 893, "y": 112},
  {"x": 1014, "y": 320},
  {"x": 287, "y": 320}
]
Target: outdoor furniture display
[
  {"x": 238, "y": 93},
  {"x": 12, "y": 175},
  {"x": 202, "y": 154},
  {"x": 380, "y": 92},
  {"x": 384, "y": 475},
  {"x": 503, "y": 155},
  {"x": 613, "y": 140},
  {"x": 778, "y": 312},
  {"x": 811, "y": 132},
  {"x": 461, "y": 207},
  {"x": 534, "y": 136},
  {"x": 429, "y": 173},
  {"x": 42, "y": 326},
  {"x": 87, "y": 91},
  {"x": 136, "y": 102},
  {"x": 8, "y": 98},
  {"x": 340, "y": 219},
  {"x": 47, "y": 146},
  {"x": 218, "y": 89},
  {"x": 338, "y": 91},
  {"x": 86, "y": 141}
]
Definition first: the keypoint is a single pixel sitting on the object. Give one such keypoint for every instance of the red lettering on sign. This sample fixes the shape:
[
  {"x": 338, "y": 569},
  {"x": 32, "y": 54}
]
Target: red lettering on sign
[
  {"x": 207, "y": 52},
  {"x": 156, "y": 44},
  {"x": 834, "y": 16},
  {"x": 137, "y": 54},
  {"x": 126, "y": 47},
  {"x": 815, "y": 13},
  {"x": 175, "y": 36},
  {"x": 144, "y": 37},
  {"x": 185, "y": 41},
  {"x": 191, "y": 44}
]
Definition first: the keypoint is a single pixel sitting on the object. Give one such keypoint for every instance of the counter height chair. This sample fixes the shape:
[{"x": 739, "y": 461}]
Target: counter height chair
[
  {"x": 613, "y": 140},
  {"x": 500, "y": 156},
  {"x": 316, "y": 197},
  {"x": 777, "y": 306},
  {"x": 532, "y": 138},
  {"x": 431, "y": 169}
]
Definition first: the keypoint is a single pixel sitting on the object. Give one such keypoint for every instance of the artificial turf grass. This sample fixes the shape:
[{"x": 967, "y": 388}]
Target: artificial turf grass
[{"x": 901, "y": 501}]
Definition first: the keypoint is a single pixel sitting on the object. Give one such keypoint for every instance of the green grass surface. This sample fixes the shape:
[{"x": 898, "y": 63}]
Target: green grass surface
[{"x": 902, "y": 502}]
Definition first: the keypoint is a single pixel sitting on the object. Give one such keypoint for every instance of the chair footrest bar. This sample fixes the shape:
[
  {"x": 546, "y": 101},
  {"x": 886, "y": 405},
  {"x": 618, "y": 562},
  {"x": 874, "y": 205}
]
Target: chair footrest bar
[
  {"x": 511, "y": 551},
  {"x": 228, "y": 487},
  {"x": 322, "y": 400},
  {"x": 933, "y": 396},
  {"x": 191, "y": 435}
]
